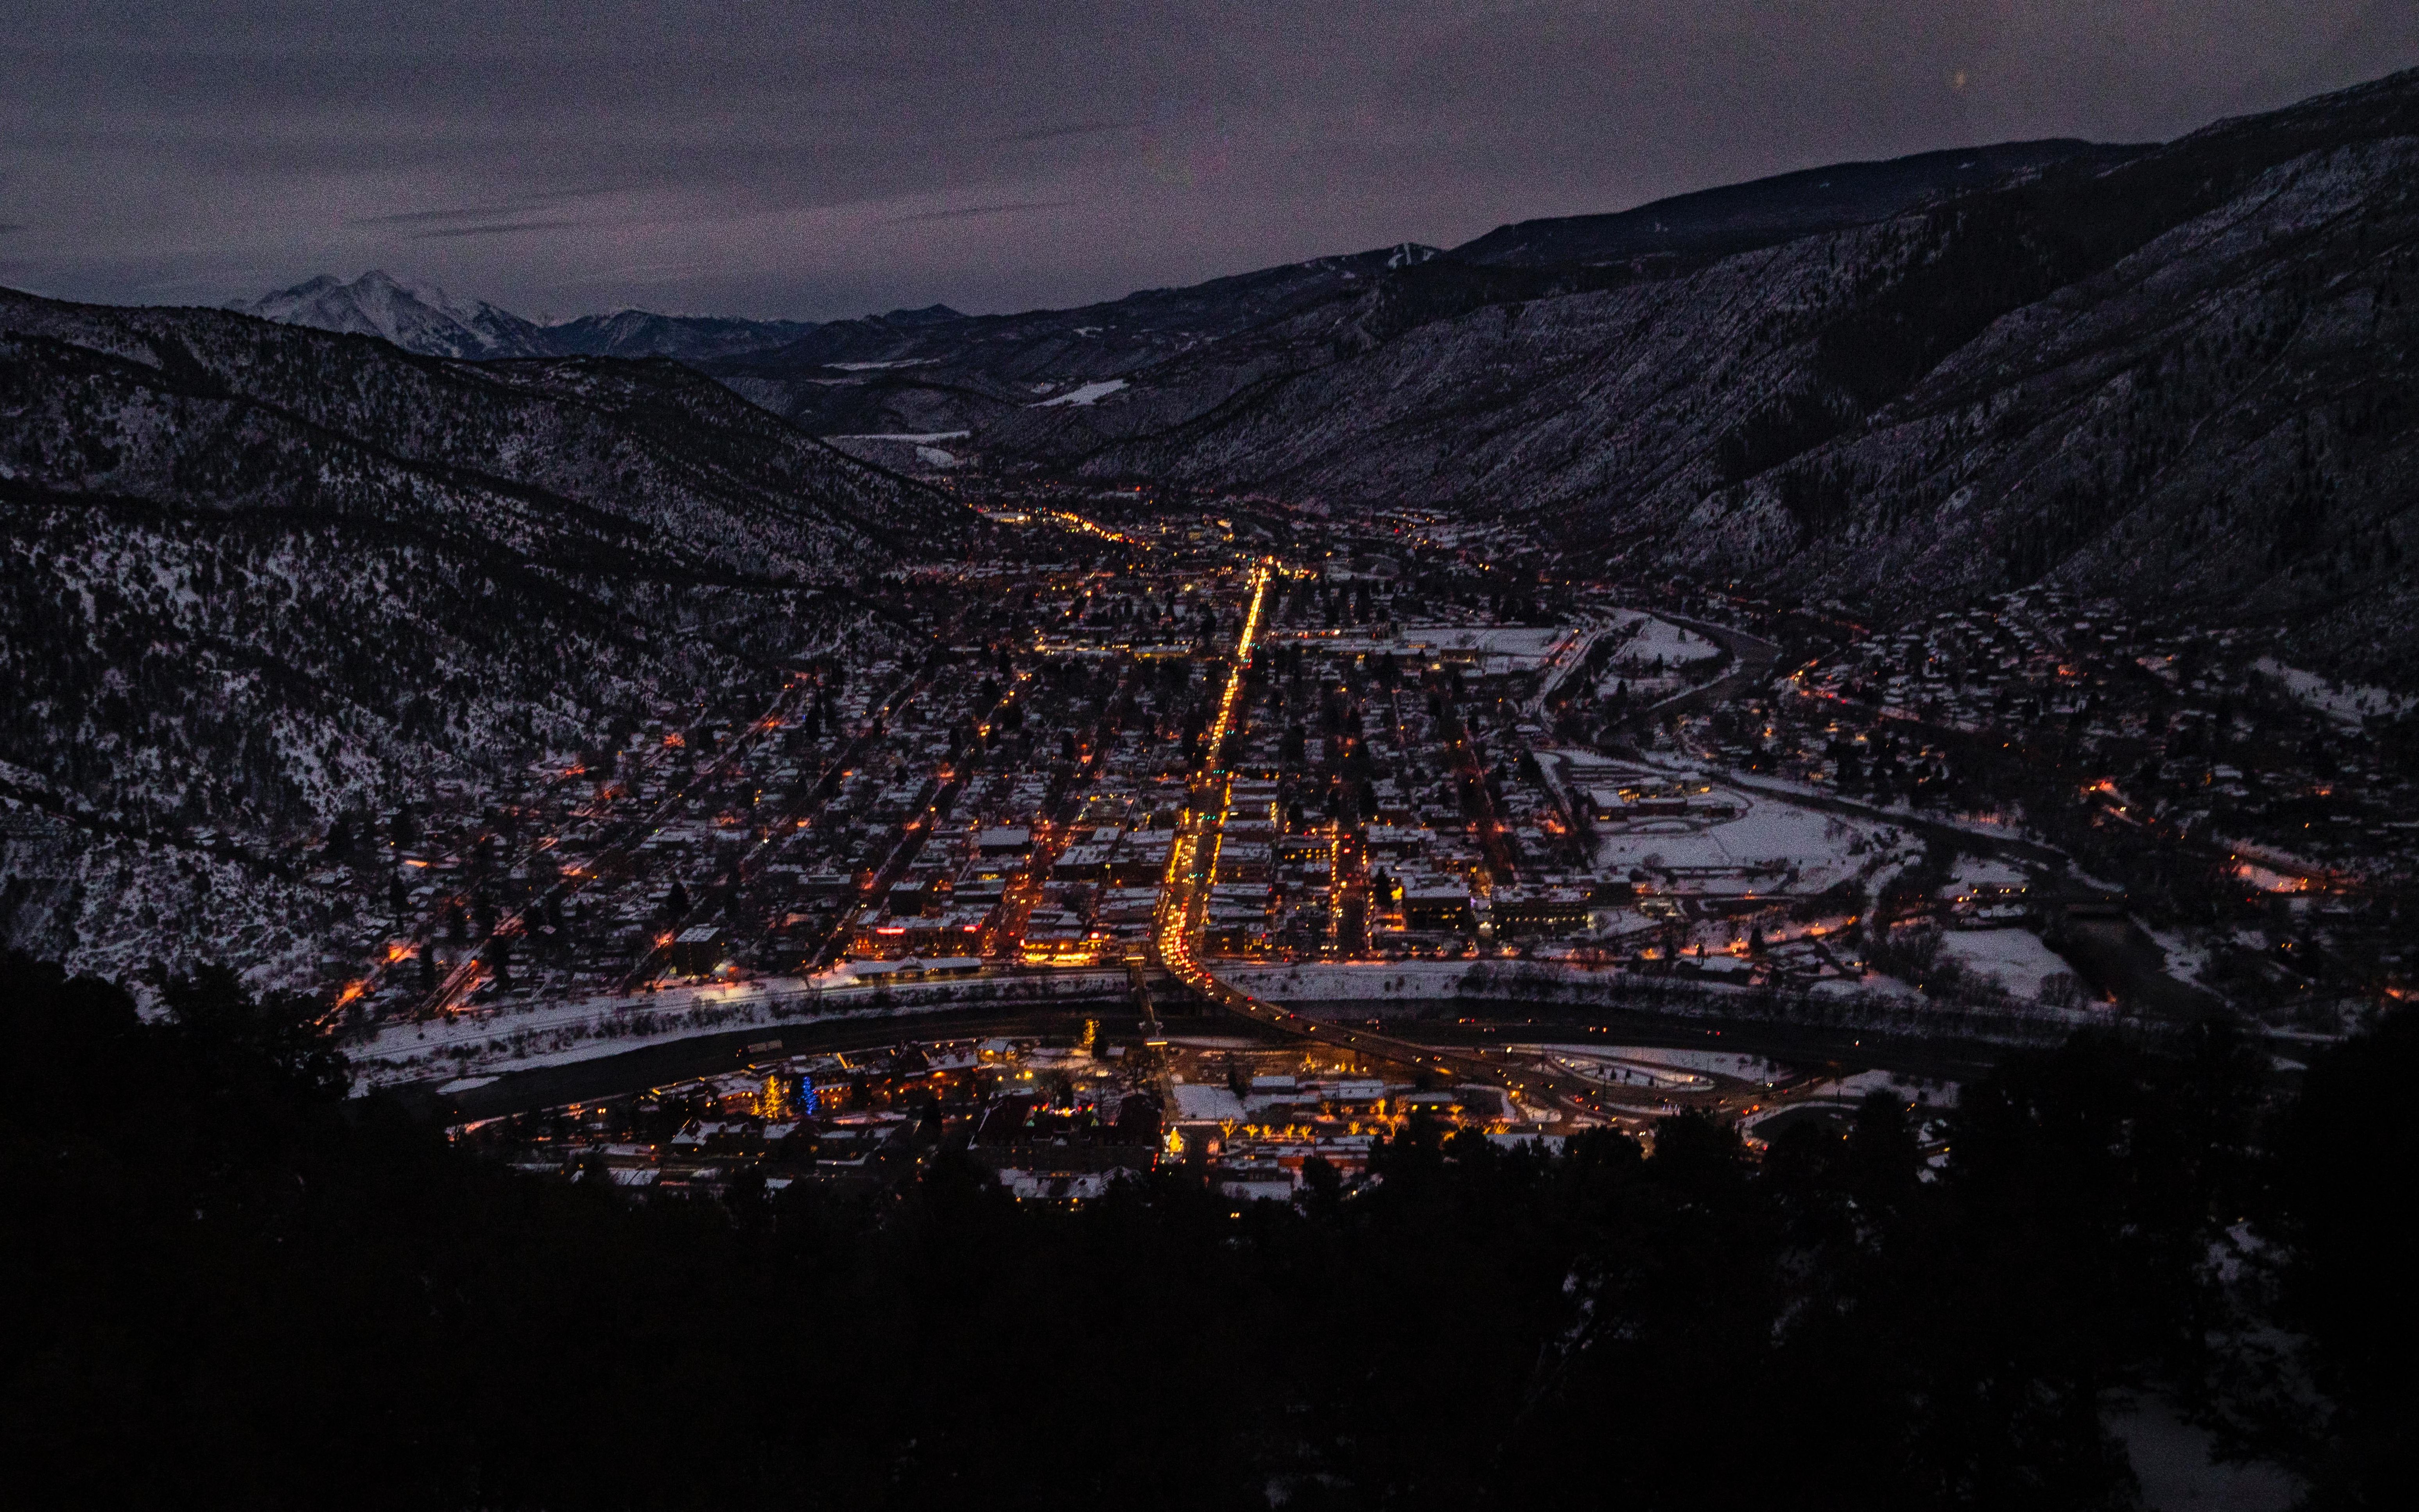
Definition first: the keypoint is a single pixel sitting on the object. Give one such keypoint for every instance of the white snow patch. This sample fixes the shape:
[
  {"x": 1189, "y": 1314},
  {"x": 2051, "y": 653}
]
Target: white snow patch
[
  {"x": 1770, "y": 838},
  {"x": 1691, "y": 1064},
  {"x": 1090, "y": 393},
  {"x": 1974, "y": 871},
  {"x": 1202, "y": 1101},
  {"x": 2014, "y": 958},
  {"x": 2346, "y": 703},
  {"x": 559, "y": 1033},
  {"x": 1654, "y": 657}
]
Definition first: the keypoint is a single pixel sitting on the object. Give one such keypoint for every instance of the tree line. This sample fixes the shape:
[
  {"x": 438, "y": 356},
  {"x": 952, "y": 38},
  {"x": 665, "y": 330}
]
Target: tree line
[{"x": 229, "y": 1282}]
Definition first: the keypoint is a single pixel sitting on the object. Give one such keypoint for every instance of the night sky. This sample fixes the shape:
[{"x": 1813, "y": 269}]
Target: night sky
[{"x": 820, "y": 161}]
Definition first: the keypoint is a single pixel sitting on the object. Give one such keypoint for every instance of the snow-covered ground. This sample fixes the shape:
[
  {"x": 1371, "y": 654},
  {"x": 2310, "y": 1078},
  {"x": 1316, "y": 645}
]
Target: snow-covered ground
[
  {"x": 1362, "y": 982},
  {"x": 560, "y": 1033},
  {"x": 1090, "y": 393},
  {"x": 1205, "y": 1100},
  {"x": 1718, "y": 1062},
  {"x": 1980, "y": 827},
  {"x": 1771, "y": 835},
  {"x": 1503, "y": 648},
  {"x": 1871, "y": 984},
  {"x": 1349, "y": 989},
  {"x": 1650, "y": 658},
  {"x": 1673, "y": 643},
  {"x": 2014, "y": 958},
  {"x": 1844, "y": 1093},
  {"x": 2344, "y": 702},
  {"x": 1972, "y": 871},
  {"x": 2267, "y": 879},
  {"x": 1622, "y": 1065},
  {"x": 894, "y": 448},
  {"x": 2186, "y": 959}
]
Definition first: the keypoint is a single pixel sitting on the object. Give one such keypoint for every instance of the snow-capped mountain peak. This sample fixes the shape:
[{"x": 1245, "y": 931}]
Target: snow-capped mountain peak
[
  {"x": 417, "y": 317},
  {"x": 421, "y": 317}
]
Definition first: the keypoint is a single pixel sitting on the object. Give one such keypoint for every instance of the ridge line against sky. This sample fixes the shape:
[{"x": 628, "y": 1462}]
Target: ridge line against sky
[{"x": 821, "y": 160}]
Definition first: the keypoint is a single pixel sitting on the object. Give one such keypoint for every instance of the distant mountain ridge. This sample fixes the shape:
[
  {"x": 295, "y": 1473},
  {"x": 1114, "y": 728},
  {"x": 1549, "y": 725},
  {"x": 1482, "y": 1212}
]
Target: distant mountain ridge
[
  {"x": 2186, "y": 375},
  {"x": 850, "y": 376},
  {"x": 425, "y": 319},
  {"x": 935, "y": 369},
  {"x": 898, "y": 374},
  {"x": 1182, "y": 353},
  {"x": 2180, "y": 373},
  {"x": 416, "y": 317},
  {"x": 2188, "y": 379},
  {"x": 689, "y": 338},
  {"x": 1740, "y": 217}
]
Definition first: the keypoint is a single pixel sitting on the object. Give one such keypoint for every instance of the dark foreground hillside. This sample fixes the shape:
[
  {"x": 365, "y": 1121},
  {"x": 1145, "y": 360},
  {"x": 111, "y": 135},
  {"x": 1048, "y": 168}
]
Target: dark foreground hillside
[{"x": 226, "y": 1285}]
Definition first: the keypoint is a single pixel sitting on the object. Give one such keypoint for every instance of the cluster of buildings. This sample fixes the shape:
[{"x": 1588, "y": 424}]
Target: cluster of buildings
[
  {"x": 1053, "y": 1121},
  {"x": 1439, "y": 751}
]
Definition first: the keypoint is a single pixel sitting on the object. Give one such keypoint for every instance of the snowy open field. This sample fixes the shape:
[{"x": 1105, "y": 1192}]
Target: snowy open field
[
  {"x": 1972, "y": 871},
  {"x": 2014, "y": 958},
  {"x": 1773, "y": 786},
  {"x": 1672, "y": 643},
  {"x": 893, "y": 448},
  {"x": 1205, "y": 1101},
  {"x": 1771, "y": 836},
  {"x": 1649, "y": 659}
]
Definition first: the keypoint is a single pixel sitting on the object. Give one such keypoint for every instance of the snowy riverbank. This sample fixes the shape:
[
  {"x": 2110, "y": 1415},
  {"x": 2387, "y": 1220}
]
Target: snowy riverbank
[{"x": 468, "y": 1045}]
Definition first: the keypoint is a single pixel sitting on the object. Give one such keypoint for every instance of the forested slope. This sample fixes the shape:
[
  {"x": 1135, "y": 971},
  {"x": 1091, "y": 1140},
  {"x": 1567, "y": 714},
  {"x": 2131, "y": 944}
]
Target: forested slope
[
  {"x": 234, "y": 1288},
  {"x": 2186, "y": 378},
  {"x": 252, "y": 576}
]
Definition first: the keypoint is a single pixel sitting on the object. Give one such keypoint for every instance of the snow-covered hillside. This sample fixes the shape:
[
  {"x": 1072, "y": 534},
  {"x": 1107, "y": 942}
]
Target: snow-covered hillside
[
  {"x": 416, "y": 317},
  {"x": 425, "y": 319},
  {"x": 254, "y": 577},
  {"x": 2179, "y": 376},
  {"x": 2184, "y": 379}
]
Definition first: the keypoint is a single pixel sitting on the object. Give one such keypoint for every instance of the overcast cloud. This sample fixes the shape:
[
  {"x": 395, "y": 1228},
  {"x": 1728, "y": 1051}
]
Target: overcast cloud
[{"x": 826, "y": 160}]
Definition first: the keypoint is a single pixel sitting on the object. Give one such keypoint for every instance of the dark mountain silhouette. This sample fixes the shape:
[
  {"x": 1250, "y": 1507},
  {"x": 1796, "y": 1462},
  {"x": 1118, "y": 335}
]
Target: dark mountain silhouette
[
  {"x": 2184, "y": 376},
  {"x": 1742, "y": 217}
]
